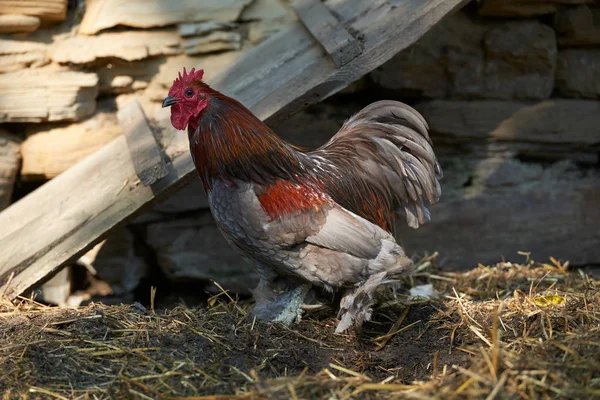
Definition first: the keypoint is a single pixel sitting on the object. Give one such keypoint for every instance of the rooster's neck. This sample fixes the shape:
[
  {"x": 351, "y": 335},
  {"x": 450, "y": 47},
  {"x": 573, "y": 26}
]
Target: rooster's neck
[{"x": 230, "y": 144}]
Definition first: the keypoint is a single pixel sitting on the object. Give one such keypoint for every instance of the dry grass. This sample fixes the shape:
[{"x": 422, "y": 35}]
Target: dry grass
[{"x": 504, "y": 331}]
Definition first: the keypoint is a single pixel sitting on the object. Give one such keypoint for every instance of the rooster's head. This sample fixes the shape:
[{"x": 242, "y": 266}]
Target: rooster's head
[{"x": 187, "y": 98}]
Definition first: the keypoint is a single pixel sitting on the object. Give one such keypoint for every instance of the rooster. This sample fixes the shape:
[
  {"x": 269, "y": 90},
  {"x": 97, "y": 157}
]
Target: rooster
[{"x": 319, "y": 218}]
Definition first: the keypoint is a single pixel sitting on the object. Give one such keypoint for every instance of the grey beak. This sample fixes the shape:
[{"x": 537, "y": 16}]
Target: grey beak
[{"x": 169, "y": 101}]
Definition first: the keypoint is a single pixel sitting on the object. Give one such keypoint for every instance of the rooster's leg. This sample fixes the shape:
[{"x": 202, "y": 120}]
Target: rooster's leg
[
  {"x": 356, "y": 306},
  {"x": 274, "y": 306},
  {"x": 292, "y": 302}
]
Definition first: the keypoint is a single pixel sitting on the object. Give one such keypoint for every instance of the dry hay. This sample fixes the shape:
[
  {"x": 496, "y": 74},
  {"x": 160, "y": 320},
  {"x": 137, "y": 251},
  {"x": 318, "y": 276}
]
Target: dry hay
[{"x": 505, "y": 331}]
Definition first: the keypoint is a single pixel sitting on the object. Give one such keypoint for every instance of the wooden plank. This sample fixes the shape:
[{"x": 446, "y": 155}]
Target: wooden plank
[
  {"x": 68, "y": 215},
  {"x": 329, "y": 32},
  {"x": 145, "y": 152}
]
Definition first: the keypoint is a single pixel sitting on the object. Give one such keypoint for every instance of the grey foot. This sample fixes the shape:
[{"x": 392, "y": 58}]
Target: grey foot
[
  {"x": 356, "y": 306},
  {"x": 285, "y": 308},
  {"x": 293, "y": 300}
]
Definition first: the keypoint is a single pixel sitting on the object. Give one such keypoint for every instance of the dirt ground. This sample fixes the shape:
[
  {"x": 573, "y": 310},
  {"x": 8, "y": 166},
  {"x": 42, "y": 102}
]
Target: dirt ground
[{"x": 503, "y": 331}]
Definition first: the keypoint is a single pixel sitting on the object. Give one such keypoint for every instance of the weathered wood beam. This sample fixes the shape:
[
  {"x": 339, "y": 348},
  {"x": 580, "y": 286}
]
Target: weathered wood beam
[
  {"x": 341, "y": 46},
  {"x": 145, "y": 153},
  {"x": 65, "y": 217}
]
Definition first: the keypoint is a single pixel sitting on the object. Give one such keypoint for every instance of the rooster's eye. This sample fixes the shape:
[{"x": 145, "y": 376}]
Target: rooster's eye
[{"x": 189, "y": 92}]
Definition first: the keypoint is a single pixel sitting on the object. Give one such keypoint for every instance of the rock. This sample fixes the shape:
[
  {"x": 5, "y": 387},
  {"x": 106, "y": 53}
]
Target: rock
[
  {"x": 498, "y": 172},
  {"x": 58, "y": 289},
  {"x": 260, "y": 30},
  {"x": 51, "y": 149},
  {"x": 520, "y": 61},
  {"x": 523, "y": 8},
  {"x": 359, "y": 85},
  {"x": 103, "y": 14},
  {"x": 47, "y": 94},
  {"x": 18, "y": 23},
  {"x": 462, "y": 55},
  {"x": 121, "y": 84},
  {"x": 467, "y": 119},
  {"x": 151, "y": 110},
  {"x": 266, "y": 17},
  {"x": 556, "y": 215},
  {"x": 517, "y": 60},
  {"x": 265, "y": 9},
  {"x": 553, "y": 121},
  {"x": 16, "y": 55},
  {"x": 127, "y": 46},
  {"x": 147, "y": 218},
  {"x": 211, "y": 64},
  {"x": 213, "y": 42},
  {"x": 578, "y": 26},
  {"x": 115, "y": 261},
  {"x": 466, "y": 72},
  {"x": 192, "y": 248},
  {"x": 138, "y": 85},
  {"x": 48, "y": 11},
  {"x": 557, "y": 128},
  {"x": 10, "y": 159},
  {"x": 203, "y": 28},
  {"x": 118, "y": 76},
  {"x": 578, "y": 73},
  {"x": 190, "y": 198},
  {"x": 315, "y": 125},
  {"x": 418, "y": 71},
  {"x": 167, "y": 72},
  {"x": 446, "y": 61}
]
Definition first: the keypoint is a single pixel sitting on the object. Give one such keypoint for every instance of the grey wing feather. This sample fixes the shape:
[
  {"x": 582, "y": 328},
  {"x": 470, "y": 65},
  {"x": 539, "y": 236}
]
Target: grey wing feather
[
  {"x": 386, "y": 148},
  {"x": 346, "y": 232},
  {"x": 335, "y": 247}
]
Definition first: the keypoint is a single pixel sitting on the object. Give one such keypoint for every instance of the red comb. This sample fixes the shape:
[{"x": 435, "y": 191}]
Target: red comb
[{"x": 193, "y": 74}]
